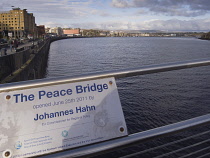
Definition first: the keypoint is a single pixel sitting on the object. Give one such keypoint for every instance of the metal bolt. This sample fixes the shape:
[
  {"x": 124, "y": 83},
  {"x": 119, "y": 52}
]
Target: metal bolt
[
  {"x": 122, "y": 129},
  {"x": 110, "y": 82},
  {"x": 7, "y": 154},
  {"x": 8, "y": 97}
]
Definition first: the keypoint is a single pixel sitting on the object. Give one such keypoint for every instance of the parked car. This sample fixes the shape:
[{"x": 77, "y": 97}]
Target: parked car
[{"x": 3, "y": 41}]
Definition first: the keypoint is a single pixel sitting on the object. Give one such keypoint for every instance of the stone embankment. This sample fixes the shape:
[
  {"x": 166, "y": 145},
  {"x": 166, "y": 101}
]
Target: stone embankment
[{"x": 26, "y": 64}]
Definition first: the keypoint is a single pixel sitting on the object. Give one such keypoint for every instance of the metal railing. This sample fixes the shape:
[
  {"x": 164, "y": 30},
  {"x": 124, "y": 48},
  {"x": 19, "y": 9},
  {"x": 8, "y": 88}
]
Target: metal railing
[
  {"x": 117, "y": 74},
  {"x": 148, "y": 135},
  {"x": 132, "y": 139}
]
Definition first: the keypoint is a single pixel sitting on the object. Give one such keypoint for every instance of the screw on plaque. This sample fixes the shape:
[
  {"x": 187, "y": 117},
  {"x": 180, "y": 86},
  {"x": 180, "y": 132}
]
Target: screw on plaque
[
  {"x": 7, "y": 154},
  {"x": 8, "y": 97},
  {"x": 122, "y": 129},
  {"x": 110, "y": 82}
]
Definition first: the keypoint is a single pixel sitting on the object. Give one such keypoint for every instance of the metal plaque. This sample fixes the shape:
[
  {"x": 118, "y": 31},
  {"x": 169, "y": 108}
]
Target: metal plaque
[{"x": 47, "y": 119}]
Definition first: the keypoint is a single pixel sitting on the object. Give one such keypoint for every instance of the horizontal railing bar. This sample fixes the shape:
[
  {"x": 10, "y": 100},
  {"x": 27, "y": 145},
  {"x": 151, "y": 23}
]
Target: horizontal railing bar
[
  {"x": 164, "y": 145},
  {"x": 117, "y": 74},
  {"x": 187, "y": 147},
  {"x": 132, "y": 139},
  {"x": 195, "y": 152},
  {"x": 207, "y": 154}
]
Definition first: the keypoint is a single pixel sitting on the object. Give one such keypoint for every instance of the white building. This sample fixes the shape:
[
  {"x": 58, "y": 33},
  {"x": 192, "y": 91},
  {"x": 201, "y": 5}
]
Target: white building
[{"x": 56, "y": 30}]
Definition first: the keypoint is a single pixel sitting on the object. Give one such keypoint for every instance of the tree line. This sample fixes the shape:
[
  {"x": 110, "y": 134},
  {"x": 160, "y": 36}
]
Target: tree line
[{"x": 206, "y": 36}]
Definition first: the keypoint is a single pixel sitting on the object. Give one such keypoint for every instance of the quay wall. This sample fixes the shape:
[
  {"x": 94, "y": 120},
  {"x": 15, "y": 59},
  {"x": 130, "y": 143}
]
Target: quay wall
[
  {"x": 27, "y": 64},
  {"x": 12, "y": 62}
]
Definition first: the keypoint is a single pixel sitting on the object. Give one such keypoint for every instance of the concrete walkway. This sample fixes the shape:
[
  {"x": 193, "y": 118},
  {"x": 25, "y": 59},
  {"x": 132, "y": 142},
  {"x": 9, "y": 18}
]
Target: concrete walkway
[{"x": 20, "y": 46}]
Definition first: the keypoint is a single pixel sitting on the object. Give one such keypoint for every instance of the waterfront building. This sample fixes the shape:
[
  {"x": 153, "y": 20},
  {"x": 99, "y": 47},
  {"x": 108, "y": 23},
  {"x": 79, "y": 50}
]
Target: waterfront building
[
  {"x": 41, "y": 31},
  {"x": 115, "y": 33},
  {"x": 71, "y": 32},
  {"x": 56, "y": 30},
  {"x": 18, "y": 23},
  {"x": 47, "y": 30},
  {"x": 104, "y": 33}
]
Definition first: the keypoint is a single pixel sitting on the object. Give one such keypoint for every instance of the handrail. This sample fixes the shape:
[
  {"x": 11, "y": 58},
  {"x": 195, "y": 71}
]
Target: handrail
[
  {"x": 110, "y": 145},
  {"x": 132, "y": 139},
  {"x": 117, "y": 74}
]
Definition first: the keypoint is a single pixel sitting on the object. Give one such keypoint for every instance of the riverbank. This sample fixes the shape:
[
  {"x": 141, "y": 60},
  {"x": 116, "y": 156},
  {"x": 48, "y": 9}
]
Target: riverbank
[
  {"x": 205, "y": 36},
  {"x": 28, "y": 62}
]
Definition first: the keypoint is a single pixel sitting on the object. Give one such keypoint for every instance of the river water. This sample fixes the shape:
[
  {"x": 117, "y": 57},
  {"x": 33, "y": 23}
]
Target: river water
[{"x": 151, "y": 100}]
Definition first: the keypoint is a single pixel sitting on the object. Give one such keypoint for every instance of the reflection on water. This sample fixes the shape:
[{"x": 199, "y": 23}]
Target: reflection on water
[{"x": 148, "y": 101}]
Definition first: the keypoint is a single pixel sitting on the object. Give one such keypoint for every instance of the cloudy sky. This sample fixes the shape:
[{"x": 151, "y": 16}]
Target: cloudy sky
[{"x": 167, "y": 15}]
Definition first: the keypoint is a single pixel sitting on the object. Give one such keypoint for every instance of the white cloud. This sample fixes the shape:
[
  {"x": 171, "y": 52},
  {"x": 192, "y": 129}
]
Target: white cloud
[
  {"x": 186, "y": 8},
  {"x": 51, "y": 8},
  {"x": 100, "y": 14},
  {"x": 170, "y": 25},
  {"x": 120, "y": 3}
]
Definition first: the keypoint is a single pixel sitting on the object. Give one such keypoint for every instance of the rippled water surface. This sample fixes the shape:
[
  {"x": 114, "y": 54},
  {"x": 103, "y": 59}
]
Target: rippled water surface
[{"x": 151, "y": 100}]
